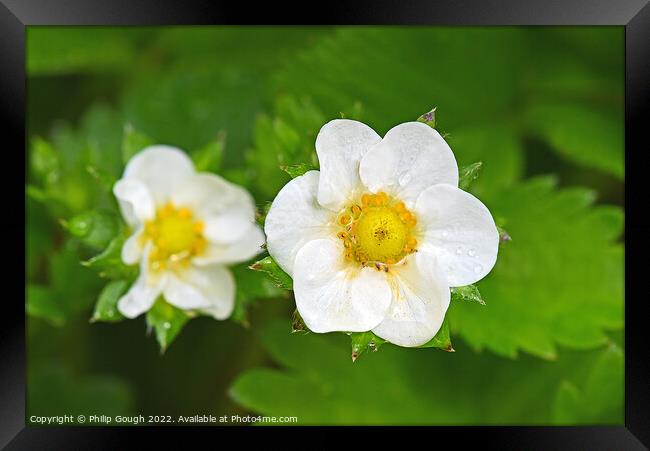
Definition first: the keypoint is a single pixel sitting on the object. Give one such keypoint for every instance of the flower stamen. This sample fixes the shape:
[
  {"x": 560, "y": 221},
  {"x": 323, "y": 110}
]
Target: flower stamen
[
  {"x": 378, "y": 231},
  {"x": 176, "y": 236}
]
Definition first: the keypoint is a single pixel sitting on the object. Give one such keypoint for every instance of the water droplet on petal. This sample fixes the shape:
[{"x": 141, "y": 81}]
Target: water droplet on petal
[
  {"x": 478, "y": 269},
  {"x": 459, "y": 250},
  {"x": 471, "y": 253}
]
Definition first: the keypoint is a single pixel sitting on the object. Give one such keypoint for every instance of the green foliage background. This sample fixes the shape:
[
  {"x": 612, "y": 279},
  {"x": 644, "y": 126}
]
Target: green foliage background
[{"x": 541, "y": 107}]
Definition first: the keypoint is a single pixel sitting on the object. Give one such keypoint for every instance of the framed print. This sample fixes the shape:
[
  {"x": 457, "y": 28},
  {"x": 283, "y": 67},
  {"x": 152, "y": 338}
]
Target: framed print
[{"x": 415, "y": 215}]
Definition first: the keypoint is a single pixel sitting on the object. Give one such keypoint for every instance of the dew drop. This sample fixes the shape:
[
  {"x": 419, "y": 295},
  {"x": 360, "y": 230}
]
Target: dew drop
[
  {"x": 478, "y": 269},
  {"x": 167, "y": 325},
  {"x": 459, "y": 250},
  {"x": 471, "y": 253}
]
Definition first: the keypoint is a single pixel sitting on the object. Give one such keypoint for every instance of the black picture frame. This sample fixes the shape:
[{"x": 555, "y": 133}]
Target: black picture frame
[{"x": 634, "y": 15}]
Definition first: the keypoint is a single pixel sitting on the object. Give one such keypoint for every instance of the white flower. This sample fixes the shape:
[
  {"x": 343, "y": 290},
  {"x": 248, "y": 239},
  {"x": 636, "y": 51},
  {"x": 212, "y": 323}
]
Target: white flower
[
  {"x": 376, "y": 238},
  {"x": 186, "y": 226}
]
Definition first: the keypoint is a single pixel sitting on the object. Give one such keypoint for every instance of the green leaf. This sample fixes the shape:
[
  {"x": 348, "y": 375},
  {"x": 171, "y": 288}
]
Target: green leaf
[
  {"x": 598, "y": 400},
  {"x": 583, "y": 135},
  {"x": 188, "y": 108},
  {"x": 311, "y": 378},
  {"x": 284, "y": 142},
  {"x": 345, "y": 68},
  {"x": 133, "y": 141},
  {"x": 94, "y": 228},
  {"x": 442, "y": 339},
  {"x": 68, "y": 289},
  {"x": 296, "y": 170},
  {"x": 467, "y": 293},
  {"x": 84, "y": 154},
  {"x": 559, "y": 282},
  {"x": 167, "y": 321},
  {"x": 42, "y": 303},
  {"x": 585, "y": 65},
  {"x": 361, "y": 63},
  {"x": 208, "y": 158},
  {"x": 477, "y": 143},
  {"x": 109, "y": 263},
  {"x": 106, "y": 307},
  {"x": 467, "y": 175},
  {"x": 269, "y": 266}
]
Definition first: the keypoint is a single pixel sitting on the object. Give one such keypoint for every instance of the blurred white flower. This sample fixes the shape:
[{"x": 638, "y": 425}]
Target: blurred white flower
[
  {"x": 376, "y": 238},
  {"x": 186, "y": 227}
]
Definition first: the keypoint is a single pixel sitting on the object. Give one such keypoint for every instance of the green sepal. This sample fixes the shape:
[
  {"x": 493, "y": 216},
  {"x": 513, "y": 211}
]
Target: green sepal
[
  {"x": 362, "y": 342},
  {"x": 297, "y": 323},
  {"x": 442, "y": 340},
  {"x": 504, "y": 236},
  {"x": 429, "y": 118},
  {"x": 296, "y": 170},
  {"x": 468, "y": 174},
  {"x": 467, "y": 293},
  {"x": 109, "y": 262},
  {"x": 167, "y": 321},
  {"x": 269, "y": 266},
  {"x": 106, "y": 306}
]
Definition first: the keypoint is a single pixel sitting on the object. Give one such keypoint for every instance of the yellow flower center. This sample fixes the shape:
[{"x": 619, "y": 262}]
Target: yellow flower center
[
  {"x": 176, "y": 236},
  {"x": 379, "y": 231}
]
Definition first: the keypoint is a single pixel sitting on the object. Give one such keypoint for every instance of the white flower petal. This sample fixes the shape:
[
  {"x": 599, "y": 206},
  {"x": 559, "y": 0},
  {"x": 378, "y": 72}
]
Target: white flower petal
[
  {"x": 411, "y": 157},
  {"x": 248, "y": 246},
  {"x": 190, "y": 289},
  {"x": 161, "y": 168},
  {"x": 132, "y": 248},
  {"x": 135, "y": 201},
  {"x": 333, "y": 296},
  {"x": 210, "y": 289},
  {"x": 295, "y": 217},
  {"x": 460, "y": 231},
  {"x": 226, "y": 228},
  {"x": 227, "y": 209},
  {"x": 340, "y": 145},
  {"x": 141, "y": 296},
  {"x": 420, "y": 300}
]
